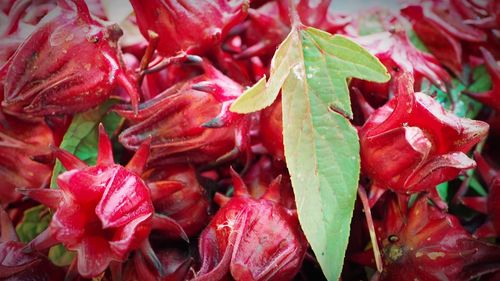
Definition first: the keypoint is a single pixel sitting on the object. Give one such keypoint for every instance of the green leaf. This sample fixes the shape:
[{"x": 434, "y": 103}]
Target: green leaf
[
  {"x": 35, "y": 220},
  {"x": 82, "y": 134},
  {"x": 482, "y": 80},
  {"x": 60, "y": 256},
  {"x": 321, "y": 146},
  {"x": 263, "y": 94},
  {"x": 463, "y": 105},
  {"x": 442, "y": 190}
]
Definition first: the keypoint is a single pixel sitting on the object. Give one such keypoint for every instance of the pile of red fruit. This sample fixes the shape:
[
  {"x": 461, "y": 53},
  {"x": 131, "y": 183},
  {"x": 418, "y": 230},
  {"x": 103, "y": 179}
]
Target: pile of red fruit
[{"x": 161, "y": 181}]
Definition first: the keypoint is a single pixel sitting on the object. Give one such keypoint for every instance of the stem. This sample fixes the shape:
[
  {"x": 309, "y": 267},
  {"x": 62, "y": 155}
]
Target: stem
[
  {"x": 294, "y": 15},
  {"x": 146, "y": 59},
  {"x": 371, "y": 227}
]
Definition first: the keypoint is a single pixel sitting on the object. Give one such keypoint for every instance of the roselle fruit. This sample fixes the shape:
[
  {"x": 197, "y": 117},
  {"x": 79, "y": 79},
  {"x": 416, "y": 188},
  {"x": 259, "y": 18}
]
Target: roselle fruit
[
  {"x": 190, "y": 122},
  {"x": 190, "y": 26},
  {"x": 102, "y": 212},
  {"x": 15, "y": 264},
  {"x": 446, "y": 48},
  {"x": 68, "y": 82},
  {"x": 395, "y": 50},
  {"x": 251, "y": 239},
  {"x": 188, "y": 205},
  {"x": 411, "y": 144},
  {"x": 425, "y": 243},
  {"x": 25, "y": 157}
]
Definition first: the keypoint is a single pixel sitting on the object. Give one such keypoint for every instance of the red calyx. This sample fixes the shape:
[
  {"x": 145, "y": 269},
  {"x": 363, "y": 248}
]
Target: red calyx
[
  {"x": 193, "y": 27},
  {"x": 102, "y": 212},
  {"x": 251, "y": 239},
  {"x": 69, "y": 82},
  {"x": 425, "y": 243},
  {"x": 179, "y": 195},
  {"x": 22, "y": 143},
  {"x": 395, "y": 50},
  {"x": 431, "y": 142},
  {"x": 190, "y": 122}
]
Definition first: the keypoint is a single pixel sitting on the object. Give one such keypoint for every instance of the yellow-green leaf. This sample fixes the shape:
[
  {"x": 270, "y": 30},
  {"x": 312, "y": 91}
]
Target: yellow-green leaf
[
  {"x": 262, "y": 94},
  {"x": 321, "y": 145}
]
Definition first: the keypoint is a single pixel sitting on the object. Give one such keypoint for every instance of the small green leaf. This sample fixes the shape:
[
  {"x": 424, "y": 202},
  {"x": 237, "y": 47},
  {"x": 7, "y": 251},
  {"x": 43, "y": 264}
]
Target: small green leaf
[
  {"x": 262, "y": 94},
  {"x": 463, "y": 105},
  {"x": 82, "y": 134},
  {"x": 481, "y": 80},
  {"x": 416, "y": 41},
  {"x": 60, "y": 256},
  {"x": 35, "y": 220},
  {"x": 442, "y": 190}
]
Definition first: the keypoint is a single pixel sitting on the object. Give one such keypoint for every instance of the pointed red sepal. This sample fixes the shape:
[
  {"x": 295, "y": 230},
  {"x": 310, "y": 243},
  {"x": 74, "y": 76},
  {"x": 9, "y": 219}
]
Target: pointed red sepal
[
  {"x": 436, "y": 199},
  {"x": 478, "y": 204},
  {"x": 487, "y": 172},
  {"x": 150, "y": 256},
  {"x": 375, "y": 193},
  {"x": 68, "y": 160},
  {"x": 240, "y": 188},
  {"x": 72, "y": 273},
  {"x": 43, "y": 241},
  {"x": 7, "y": 230},
  {"x": 366, "y": 108},
  {"x": 163, "y": 189},
  {"x": 48, "y": 197},
  {"x": 116, "y": 270},
  {"x": 273, "y": 192},
  {"x": 131, "y": 90},
  {"x": 142, "y": 268},
  {"x": 486, "y": 230},
  {"x": 490, "y": 98},
  {"x": 140, "y": 158},
  {"x": 220, "y": 199},
  {"x": 105, "y": 149},
  {"x": 169, "y": 227}
]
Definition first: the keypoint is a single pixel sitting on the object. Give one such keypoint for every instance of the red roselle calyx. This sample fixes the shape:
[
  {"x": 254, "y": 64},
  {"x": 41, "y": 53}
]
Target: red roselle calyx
[
  {"x": 190, "y": 26},
  {"x": 102, "y": 212},
  {"x": 431, "y": 143},
  {"x": 21, "y": 143},
  {"x": 188, "y": 205},
  {"x": 190, "y": 122},
  {"x": 395, "y": 50},
  {"x": 68, "y": 82},
  {"x": 425, "y": 243},
  {"x": 251, "y": 239}
]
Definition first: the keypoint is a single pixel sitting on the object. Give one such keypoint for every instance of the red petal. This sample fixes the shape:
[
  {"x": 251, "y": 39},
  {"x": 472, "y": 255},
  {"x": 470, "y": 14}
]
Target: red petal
[
  {"x": 125, "y": 198},
  {"x": 94, "y": 256},
  {"x": 105, "y": 150}
]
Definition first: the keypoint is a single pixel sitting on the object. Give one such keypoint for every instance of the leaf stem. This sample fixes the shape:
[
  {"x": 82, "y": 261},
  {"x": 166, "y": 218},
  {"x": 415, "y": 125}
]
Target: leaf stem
[
  {"x": 371, "y": 227},
  {"x": 294, "y": 15}
]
